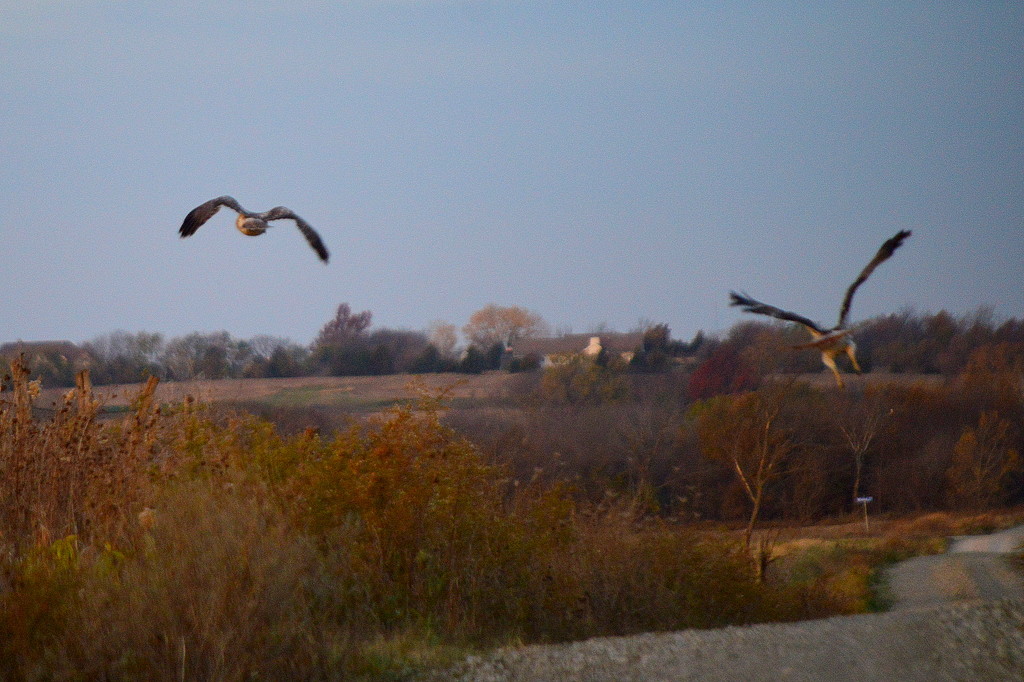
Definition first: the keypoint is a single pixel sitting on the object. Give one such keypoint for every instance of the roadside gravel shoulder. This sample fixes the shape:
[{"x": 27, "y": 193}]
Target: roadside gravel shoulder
[
  {"x": 970, "y": 641},
  {"x": 957, "y": 616}
]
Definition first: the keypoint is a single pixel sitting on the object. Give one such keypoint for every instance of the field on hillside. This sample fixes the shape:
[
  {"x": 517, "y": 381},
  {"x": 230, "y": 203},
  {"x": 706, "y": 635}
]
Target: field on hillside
[
  {"x": 370, "y": 393},
  {"x": 351, "y": 392}
]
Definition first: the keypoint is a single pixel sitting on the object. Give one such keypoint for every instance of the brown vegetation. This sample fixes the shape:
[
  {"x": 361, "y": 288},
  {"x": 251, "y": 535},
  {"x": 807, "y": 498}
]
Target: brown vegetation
[
  {"x": 911, "y": 445},
  {"x": 179, "y": 543},
  {"x": 182, "y": 540}
]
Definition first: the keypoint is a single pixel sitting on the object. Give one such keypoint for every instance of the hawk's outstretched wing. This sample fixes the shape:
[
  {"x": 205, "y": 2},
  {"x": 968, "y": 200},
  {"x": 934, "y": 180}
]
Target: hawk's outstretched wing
[
  {"x": 203, "y": 212},
  {"x": 883, "y": 254},
  {"x": 751, "y": 305},
  {"x": 308, "y": 232}
]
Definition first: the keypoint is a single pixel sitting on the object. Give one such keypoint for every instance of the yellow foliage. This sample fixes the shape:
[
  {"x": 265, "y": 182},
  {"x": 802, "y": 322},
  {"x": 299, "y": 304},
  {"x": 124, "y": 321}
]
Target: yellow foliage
[
  {"x": 216, "y": 548},
  {"x": 581, "y": 380},
  {"x": 983, "y": 462}
]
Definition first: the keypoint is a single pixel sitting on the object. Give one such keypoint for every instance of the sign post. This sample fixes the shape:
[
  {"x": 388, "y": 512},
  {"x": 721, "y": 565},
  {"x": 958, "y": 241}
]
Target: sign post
[{"x": 864, "y": 501}]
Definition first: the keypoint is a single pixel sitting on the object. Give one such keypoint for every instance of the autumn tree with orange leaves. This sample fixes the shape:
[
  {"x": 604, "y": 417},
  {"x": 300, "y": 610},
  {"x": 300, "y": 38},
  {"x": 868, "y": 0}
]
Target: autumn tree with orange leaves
[{"x": 495, "y": 324}]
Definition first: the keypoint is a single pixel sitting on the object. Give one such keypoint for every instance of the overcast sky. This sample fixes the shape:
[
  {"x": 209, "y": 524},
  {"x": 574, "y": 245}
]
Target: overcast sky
[{"x": 599, "y": 163}]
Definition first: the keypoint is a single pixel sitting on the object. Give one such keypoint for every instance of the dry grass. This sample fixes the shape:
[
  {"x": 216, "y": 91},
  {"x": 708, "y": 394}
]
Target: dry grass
[
  {"x": 216, "y": 590},
  {"x": 841, "y": 562},
  {"x": 312, "y": 391},
  {"x": 181, "y": 543},
  {"x": 68, "y": 475},
  {"x": 359, "y": 390},
  {"x": 948, "y": 524}
]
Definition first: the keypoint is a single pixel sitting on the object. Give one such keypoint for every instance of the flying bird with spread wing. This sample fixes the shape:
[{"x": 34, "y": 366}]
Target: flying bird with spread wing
[
  {"x": 831, "y": 342},
  {"x": 250, "y": 223}
]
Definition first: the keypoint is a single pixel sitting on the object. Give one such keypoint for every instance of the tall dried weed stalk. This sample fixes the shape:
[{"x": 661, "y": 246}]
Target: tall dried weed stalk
[{"x": 71, "y": 474}]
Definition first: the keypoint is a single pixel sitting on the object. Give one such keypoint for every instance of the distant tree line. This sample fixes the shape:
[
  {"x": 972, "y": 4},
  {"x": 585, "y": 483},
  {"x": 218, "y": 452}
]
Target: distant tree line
[
  {"x": 348, "y": 344},
  {"x": 901, "y": 343}
]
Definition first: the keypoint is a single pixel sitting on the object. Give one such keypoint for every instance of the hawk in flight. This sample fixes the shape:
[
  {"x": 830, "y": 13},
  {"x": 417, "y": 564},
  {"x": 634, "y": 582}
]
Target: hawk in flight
[
  {"x": 249, "y": 223},
  {"x": 831, "y": 342}
]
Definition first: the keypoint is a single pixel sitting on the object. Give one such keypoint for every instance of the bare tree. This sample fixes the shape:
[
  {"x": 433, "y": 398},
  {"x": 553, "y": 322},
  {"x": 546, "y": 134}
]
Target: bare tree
[
  {"x": 344, "y": 327},
  {"x": 264, "y": 345},
  {"x": 124, "y": 357},
  {"x": 197, "y": 355},
  {"x": 443, "y": 336},
  {"x": 859, "y": 418},
  {"x": 744, "y": 432}
]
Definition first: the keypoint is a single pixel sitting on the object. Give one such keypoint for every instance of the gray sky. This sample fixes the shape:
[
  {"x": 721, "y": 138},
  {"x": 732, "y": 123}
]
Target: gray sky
[{"x": 595, "y": 162}]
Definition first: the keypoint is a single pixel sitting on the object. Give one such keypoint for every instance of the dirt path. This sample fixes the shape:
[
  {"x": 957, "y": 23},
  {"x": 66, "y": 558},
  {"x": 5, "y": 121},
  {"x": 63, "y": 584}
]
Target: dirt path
[{"x": 958, "y": 616}]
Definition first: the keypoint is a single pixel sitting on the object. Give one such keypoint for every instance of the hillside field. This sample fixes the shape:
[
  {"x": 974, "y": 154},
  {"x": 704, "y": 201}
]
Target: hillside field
[
  {"x": 356, "y": 392},
  {"x": 370, "y": 393}
]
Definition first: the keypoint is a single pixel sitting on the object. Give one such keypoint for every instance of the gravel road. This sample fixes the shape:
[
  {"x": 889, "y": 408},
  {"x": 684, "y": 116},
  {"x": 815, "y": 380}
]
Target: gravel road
[
  {"x": 975, "y": 567},
  {"x": 957, "y": 616}
]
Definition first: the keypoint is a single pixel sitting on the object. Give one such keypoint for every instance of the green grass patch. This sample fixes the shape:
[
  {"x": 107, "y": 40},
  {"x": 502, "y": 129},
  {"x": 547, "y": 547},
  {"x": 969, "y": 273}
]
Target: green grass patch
[
  {"x": 324, "y": 396},
  {"x": 846, "y": 574}
]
